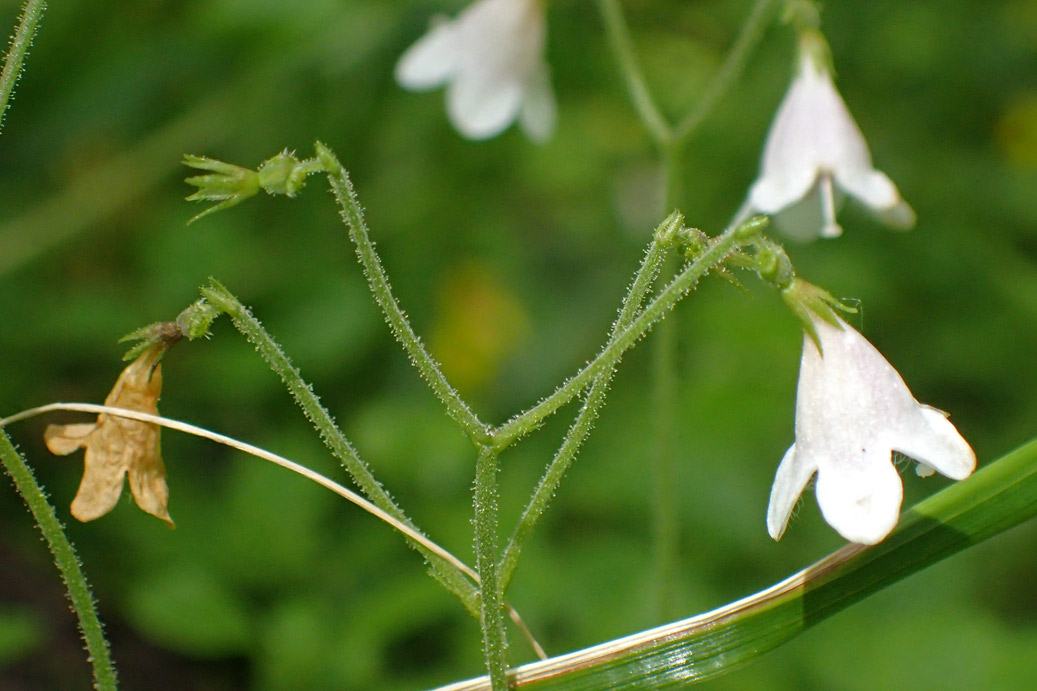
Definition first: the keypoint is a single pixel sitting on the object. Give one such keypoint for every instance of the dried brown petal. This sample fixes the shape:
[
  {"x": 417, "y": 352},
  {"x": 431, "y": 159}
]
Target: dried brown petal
[{"x": 118, "y": 446}]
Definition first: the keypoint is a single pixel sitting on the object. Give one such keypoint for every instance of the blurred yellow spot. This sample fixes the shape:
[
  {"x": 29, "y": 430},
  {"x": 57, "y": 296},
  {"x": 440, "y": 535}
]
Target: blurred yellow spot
[
  {"x": 479, "y": 324},
  {"x": 1016, "y": 131}
]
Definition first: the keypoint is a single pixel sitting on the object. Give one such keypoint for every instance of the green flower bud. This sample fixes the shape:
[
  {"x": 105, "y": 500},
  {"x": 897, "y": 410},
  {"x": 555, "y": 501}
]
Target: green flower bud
[
  {"x": 229, "y": 184},
  {"x": 751, "y": 228},
  {"x": 284, "y": 174},
  {"x": 774, "y": 265},
  {"x": 669, "y": 229},
  {"x": 194, "y": 322}
]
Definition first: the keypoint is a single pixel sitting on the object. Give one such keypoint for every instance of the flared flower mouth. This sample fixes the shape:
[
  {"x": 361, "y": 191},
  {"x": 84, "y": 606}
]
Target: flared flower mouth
[
  {"x": 853, "y": 411},
  {"x": 491, "y": 59},
  {"x": 814, "y": 155}
]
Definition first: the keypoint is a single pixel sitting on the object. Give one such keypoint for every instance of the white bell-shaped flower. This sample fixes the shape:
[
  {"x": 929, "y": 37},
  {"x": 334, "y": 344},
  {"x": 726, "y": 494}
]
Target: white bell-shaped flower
[
  {"x": 491, "y": 57},
  {"x": 815, "y": 153},
  {"x": 853, "y": 411}
]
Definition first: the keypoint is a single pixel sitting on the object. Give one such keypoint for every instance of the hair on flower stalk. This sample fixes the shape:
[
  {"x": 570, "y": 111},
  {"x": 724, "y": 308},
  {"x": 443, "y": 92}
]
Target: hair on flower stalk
[
  {"x": 815, "y": 154},
  {"x": 491, "y": 59},
  {"x": 853, "y": 412}
]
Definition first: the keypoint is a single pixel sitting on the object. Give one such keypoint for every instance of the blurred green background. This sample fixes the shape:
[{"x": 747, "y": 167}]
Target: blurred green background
[{"x": 510, "y": 259}]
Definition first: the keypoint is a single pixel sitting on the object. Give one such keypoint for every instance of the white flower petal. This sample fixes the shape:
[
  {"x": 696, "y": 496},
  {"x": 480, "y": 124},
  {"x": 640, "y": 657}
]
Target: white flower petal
[
  {"x": 870, "y": 187},
  {"x": 481, "y": 108},
  {"x": 853, "y": 410},
  {"x": 930, "y": 438},
  {"x": 861, "y": 502},
  {"x": 773, "y": 193},
  {"x": 814, "y": 141},
  {"x": 793, "y": 475},
  {"x": 491, "y": 56},
  {"x": 431, "y": 61},
  {"x": 900, "y": 216}
]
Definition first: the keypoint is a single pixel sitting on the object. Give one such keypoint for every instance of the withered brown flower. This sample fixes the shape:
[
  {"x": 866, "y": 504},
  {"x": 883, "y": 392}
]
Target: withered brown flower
[{"x": 117, "y": 446}]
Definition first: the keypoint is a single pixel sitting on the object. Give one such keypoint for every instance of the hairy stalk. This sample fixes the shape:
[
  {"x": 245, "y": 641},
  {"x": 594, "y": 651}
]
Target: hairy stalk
[
  {"x": 623, "y": 48},
  {"x": 624, "y": 339},
  {"x": 749, "y": 36},
  {"x": 32, "y": 13},
  {"x": 495, "y": 642},
  {"x": 584, "y": 421},
  {"x": 67, "y": 562},
  {"x": 407, "y": 530},
  {"x": 330, "y": 433},
  {"x": 187, "y": 428},
  {"x": 352, "y": 214}
]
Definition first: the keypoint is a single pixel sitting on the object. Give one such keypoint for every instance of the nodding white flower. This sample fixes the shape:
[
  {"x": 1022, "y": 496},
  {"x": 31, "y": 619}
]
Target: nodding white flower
[
  {"x": 491, "y": 57},
  {"x": 853, "y": 411},
  {"x": 814, "y": 154}
]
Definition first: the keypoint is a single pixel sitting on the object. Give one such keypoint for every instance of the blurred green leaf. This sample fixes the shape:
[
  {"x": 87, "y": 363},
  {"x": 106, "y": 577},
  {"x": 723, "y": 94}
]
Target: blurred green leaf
[
  {"x": 21, "y": 632},
  {"x": 189, "y": 609}
]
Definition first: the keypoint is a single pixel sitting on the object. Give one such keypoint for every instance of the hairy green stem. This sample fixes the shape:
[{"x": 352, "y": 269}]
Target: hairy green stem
[
  {"x": 331, "y": 435},
  {"x": 67, "y": 562},
  {"x": 584, "y": 421},
  {"x": 495, "y": 642},
  {"x": 352, "y": 214},
  {"x": 32, "y": 13},
  {"x": 624, "y": 339}
]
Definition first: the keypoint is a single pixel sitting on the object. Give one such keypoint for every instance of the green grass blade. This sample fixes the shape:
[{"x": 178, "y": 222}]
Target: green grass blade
[{"x": 996, "y": 498}]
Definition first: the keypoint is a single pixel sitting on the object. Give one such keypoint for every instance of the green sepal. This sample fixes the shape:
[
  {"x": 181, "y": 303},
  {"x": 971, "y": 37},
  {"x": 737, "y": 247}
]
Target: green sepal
[{"x": 807, "y": 300}]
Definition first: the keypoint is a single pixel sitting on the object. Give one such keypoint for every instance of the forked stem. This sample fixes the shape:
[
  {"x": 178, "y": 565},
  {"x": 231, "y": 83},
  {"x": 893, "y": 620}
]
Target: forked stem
[
  {"x": 352, "y": 214},
  {"x": 714, "y": 254},
  {"x": 592, "y": 405},
  {"x": 329, "y": 431}
]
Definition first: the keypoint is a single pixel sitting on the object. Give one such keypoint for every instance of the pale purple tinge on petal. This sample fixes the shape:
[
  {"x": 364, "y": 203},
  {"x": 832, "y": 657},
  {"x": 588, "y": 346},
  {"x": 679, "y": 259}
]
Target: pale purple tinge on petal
[
  {"x": 853, "y": 410},
  {"x": 814, "y": 153},
  {"x": 491, "y": 59}
]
